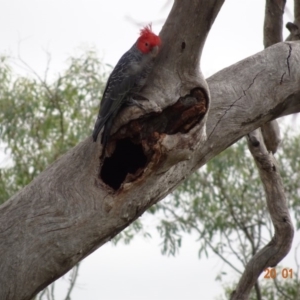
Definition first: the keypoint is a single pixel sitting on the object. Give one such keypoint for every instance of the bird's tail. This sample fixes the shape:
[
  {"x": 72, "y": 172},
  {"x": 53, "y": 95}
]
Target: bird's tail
[
  {"x": 107, "y": 123},
  {"x": 98, "y": 126},
  {"x": 106, "y": 133}
]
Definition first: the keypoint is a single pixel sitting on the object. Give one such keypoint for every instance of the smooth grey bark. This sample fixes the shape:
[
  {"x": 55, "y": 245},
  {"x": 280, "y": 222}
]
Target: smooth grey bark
[
  {"x": 67, "y": 212},
  {"x": 294, "y": 27},
  {"x": 281, "y": 243},
  {"x": 246, "y": 95},
  {"x": 272, "y": 34},
  {"x": 261, "y": 142},
  {"x": 273, "y": 22},
  {"x": 269, "y": 135}
]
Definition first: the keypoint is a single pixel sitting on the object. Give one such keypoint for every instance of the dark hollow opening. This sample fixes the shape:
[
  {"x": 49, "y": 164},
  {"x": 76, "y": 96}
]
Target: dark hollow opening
[{"x": 127, "y": 158}]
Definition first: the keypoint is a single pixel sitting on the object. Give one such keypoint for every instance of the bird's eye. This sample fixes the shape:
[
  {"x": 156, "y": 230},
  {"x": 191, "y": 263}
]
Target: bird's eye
[{"x": 146, "y": 44}]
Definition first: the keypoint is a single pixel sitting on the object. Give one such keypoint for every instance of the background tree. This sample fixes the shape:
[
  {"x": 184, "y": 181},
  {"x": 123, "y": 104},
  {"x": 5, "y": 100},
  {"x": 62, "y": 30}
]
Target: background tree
[
  {"x": 40, "y": 120},
  {"x": 223, "y": 206},
  {"x": 167, "y": 165}
]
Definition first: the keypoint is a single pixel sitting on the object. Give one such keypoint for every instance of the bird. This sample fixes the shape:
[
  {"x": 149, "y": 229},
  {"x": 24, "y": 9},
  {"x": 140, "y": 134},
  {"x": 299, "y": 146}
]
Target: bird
[{"x": 126, "y": 80}]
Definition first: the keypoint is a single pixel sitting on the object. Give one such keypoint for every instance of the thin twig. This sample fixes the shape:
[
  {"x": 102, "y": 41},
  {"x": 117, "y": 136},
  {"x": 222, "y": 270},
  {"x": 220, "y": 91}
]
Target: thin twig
[
  {"x": 202, "y": 235},
  {"x": 73, "y": 278}
]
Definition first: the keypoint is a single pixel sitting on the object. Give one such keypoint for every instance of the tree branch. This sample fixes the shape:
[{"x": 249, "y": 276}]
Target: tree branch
[
  {"x": 294, "y": 28},
  {"x": 268, "y": 139},
  {"x": 281, "y": 243},
  {"x": 273, "y": 22},
  {"x": 68, "y": 211},
  {"x": 237, "y": 108},
  {"x": 272, "y": 35},
  {"x": 77, "y": 205}
]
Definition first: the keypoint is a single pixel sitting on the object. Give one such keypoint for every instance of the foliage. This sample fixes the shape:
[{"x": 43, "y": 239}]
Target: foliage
[
  {"x": 225, "y": 199},
  {"x": 41, "y": 120},
  {"x": 224, "y": 205}
]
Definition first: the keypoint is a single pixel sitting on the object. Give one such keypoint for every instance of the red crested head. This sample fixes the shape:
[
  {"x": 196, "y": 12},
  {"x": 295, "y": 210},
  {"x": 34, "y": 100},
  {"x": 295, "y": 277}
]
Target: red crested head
[{"x": 147, "y": 40}]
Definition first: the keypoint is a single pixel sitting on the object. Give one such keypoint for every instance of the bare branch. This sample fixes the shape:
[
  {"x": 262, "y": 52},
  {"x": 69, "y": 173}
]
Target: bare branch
[
  {"x": 294, "y": 28},
  {"x": 297, "y": 11},
  {"x": 216, "y": 251},
  {"x": 272, "y": 35},
  {"x": 52, "y": 96},
  {"x": 271, "y": 134},
  {"x": 273, "y": 22},
  {"x": 242, "y": 259},
  {"x": 52, "y": 291},
  {"x": 73, "y": 277},
  {"x": 257, "y": 290},
  {"x": 294, "y": 32},
  {"x": 281, "y": 243},
  {"x": 42, "y": 294},
  {"x": 207, "y": 241},
  {"x": 268, "y": 139}
]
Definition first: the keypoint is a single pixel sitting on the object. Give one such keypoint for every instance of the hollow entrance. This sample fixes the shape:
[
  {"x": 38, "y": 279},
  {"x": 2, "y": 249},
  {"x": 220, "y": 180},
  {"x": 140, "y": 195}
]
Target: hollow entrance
[
  {"x": 130, "y": 157},
  {"x": 127, "y": 158}
]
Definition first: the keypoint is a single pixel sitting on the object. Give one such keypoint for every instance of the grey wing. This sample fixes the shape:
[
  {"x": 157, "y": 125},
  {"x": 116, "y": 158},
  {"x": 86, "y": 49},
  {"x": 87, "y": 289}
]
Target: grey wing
[{"x": 120, "y": 83}]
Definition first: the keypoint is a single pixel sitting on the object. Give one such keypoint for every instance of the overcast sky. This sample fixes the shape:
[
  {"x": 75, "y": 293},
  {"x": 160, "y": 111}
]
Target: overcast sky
[{"x": 63, "y": 27}]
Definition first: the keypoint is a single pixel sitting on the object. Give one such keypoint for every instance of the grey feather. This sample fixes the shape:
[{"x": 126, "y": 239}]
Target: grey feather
[{"x": 128, "y": 77}]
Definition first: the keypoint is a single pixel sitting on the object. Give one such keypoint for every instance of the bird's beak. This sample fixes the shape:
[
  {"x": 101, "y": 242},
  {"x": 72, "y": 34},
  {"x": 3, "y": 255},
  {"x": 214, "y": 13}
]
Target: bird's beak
[{"x": 155, "y": 51}]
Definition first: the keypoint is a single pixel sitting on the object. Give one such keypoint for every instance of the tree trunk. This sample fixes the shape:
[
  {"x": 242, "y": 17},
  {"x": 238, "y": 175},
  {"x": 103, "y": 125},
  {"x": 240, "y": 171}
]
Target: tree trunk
[{"x": 79, "y": 202}]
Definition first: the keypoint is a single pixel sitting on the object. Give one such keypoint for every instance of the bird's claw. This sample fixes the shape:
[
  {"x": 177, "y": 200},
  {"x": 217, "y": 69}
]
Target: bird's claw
[
  {"x": 138, "y": 97},
  {"x": 131, "y": 102}
]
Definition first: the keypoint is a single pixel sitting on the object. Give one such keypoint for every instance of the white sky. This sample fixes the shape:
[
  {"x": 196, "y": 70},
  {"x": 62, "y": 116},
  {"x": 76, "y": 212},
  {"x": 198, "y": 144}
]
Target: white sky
[
  {"x": 61, "y": 27},
  {"x": 33, "y": 27}
]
